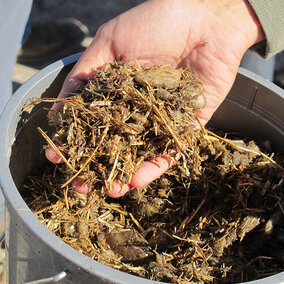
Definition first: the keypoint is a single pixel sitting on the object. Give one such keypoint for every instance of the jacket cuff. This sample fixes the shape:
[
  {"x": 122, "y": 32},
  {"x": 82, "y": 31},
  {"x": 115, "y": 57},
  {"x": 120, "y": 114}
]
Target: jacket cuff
[{"x": 271, "y": 17}]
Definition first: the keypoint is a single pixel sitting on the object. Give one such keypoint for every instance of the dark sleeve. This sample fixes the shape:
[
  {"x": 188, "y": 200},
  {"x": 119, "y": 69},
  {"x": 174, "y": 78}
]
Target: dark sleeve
[{"x": 271, "y": 17}]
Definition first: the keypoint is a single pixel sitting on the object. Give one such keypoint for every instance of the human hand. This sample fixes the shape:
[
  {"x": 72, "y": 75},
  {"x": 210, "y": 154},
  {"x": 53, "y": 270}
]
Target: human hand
[{"x": 208, "y": 36}]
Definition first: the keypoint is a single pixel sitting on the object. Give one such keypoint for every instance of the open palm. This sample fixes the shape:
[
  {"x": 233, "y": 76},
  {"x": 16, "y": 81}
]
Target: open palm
[{"x": 208, "y": 38}]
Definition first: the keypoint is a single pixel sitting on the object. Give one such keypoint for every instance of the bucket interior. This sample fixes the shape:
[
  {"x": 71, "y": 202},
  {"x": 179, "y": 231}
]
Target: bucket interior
[
  {"x": 251, "y": 109},
  {"x": 28, "y": 145}
]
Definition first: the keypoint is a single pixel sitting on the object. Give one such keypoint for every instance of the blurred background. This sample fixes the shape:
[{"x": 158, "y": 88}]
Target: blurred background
[{"x": 92, "y": 14}]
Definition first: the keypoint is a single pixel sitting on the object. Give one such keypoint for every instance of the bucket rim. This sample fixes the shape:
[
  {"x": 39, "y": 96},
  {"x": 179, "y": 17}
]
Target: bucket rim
[{"x": 13, "y": 198}]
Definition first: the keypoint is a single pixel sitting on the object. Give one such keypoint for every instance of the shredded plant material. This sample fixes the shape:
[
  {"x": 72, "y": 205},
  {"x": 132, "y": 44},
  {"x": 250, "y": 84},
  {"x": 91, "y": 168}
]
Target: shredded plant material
[{"x": 216, "y": 216}]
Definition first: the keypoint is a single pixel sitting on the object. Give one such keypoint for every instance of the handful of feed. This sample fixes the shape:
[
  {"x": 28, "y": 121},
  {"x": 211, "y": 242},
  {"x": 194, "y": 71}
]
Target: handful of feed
[{"x": 209, "y": 218}]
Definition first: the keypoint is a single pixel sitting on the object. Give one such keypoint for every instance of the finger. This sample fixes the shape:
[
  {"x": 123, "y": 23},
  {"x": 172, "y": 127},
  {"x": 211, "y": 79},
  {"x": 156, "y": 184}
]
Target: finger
[
  {"x": 69, "y": 85},
  {"x": 54, "y": 157},
  {"x": 96, "y": 56},
  {"x": 148, "y": 172},
  {"x": 118, "y": 189},
  {"x": 151, "y": 170},
  {"x": 80, "y": 186}
]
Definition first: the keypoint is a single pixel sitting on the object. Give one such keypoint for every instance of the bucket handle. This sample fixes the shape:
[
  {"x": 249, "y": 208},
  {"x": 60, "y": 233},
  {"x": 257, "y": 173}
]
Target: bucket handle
[{"x": 53, "y": 279}]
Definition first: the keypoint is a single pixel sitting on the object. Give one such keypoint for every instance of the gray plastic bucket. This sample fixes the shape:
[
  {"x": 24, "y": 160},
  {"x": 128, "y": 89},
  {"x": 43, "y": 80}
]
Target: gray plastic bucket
[{"x": 253, "y": 107}]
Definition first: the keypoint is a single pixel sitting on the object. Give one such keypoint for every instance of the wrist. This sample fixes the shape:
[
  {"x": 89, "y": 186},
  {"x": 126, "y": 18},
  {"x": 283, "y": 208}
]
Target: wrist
[{"x": 257, "y": 31}]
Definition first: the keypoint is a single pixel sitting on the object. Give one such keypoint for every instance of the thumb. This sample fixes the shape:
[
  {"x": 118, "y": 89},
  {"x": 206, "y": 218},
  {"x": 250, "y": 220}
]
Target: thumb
[{"x": 96, "y": 56}]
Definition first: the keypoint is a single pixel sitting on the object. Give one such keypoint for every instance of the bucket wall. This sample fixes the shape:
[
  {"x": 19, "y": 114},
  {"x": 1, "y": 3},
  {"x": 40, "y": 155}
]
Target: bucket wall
[{"x": 253, "y": 107}]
